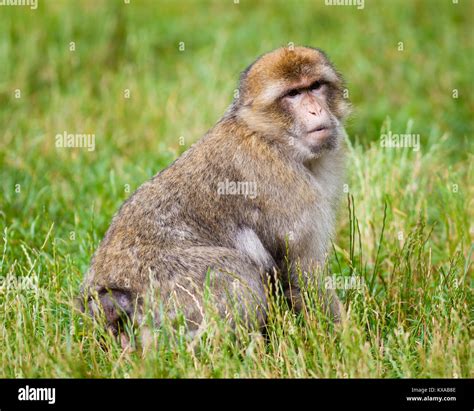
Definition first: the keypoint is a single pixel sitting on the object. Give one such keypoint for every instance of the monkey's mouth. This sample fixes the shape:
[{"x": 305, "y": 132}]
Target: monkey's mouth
[
  {"x": 321, "y": 132},
  {"x": 321, "y": 138}
]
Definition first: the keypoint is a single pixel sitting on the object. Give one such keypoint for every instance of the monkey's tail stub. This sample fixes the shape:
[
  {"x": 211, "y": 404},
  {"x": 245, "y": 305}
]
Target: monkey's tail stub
[{"x": 116, "y": 306}]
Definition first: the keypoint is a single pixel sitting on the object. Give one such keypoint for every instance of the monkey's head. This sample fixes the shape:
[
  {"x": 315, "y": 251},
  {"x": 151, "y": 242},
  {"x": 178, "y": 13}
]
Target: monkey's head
[{"x": 294, "y": 96}]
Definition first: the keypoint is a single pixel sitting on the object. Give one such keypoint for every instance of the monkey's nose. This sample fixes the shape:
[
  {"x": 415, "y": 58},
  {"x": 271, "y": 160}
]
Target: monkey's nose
[{"x": 315, "y": 110}]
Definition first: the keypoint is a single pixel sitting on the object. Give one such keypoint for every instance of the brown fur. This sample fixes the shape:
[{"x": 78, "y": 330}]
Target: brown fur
[{"x": 176, "y": 227}]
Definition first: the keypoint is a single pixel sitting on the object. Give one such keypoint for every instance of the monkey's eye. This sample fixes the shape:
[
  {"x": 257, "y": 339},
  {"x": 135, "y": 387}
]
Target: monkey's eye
[
  {"x": 316, "y": 85},
  {"x": 293, "y": 93}
]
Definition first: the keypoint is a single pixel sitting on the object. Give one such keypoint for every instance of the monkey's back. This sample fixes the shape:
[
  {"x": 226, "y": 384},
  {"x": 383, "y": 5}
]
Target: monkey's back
[{"x": 176, "y": 211}]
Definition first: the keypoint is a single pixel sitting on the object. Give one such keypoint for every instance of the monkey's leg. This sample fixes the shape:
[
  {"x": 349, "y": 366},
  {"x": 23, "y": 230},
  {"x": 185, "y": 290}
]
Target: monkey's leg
[
  {"x": 331, "y": 304},
  {"x": 299, "y": 279},
  {"x": 233, "y": 282}
]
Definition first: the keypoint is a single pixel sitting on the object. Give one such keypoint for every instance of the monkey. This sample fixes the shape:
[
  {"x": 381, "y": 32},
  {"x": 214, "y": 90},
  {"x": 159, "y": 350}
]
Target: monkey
[{"x": 181, "y": 231}]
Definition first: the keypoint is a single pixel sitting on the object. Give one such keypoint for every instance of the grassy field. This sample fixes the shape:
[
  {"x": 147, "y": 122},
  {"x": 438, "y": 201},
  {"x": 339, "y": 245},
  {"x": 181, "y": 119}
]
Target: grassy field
[{"x": 405, "y": 227}]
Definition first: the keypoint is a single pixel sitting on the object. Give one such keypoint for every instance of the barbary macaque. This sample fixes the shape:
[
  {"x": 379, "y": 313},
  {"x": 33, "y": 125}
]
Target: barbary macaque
[{"x": 256, "y": 194}]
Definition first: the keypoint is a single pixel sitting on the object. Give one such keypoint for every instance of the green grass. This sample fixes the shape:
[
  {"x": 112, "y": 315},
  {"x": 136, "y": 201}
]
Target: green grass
[{"x": 406, "y": 226}]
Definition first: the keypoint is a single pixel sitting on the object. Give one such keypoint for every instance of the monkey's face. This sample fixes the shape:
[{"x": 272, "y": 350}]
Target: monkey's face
[
  {"x": 313, "y": 126},
  {"x": 296, "y": 97}
]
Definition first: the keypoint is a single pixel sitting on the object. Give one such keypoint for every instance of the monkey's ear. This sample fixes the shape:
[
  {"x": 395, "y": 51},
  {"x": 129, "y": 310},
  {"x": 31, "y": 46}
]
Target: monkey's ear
[{"x": 347, "y": 110}]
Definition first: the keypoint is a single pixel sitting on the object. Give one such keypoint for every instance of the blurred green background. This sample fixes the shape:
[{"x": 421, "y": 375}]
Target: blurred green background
[
  {"x": 181, "y": 93},
  {"x": 175, "y": 92},
  {"x": 56, "y": 203}
]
